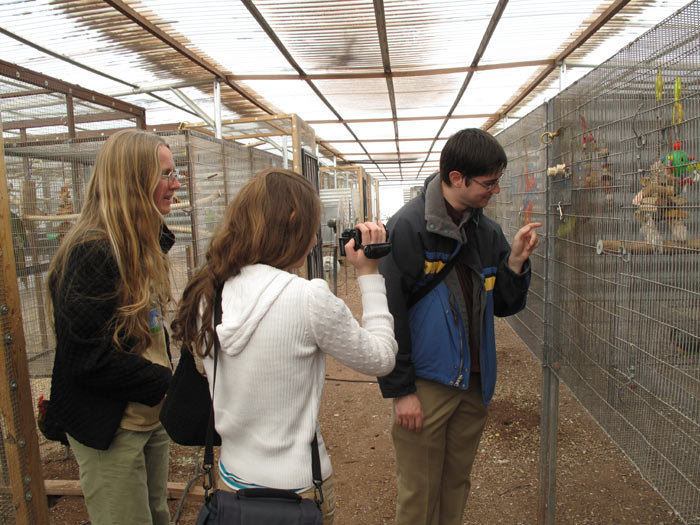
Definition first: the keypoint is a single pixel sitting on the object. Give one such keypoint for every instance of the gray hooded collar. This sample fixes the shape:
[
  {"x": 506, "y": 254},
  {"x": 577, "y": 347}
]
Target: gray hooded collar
[{"x": 437, "y": 220}]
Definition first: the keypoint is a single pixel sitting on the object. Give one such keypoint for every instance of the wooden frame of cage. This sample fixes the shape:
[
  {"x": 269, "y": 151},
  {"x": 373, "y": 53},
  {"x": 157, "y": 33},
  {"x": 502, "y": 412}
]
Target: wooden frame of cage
[
  {"x": 19, "y": 438},
  {"x": 290, "y": 125},
  {"x": 115, "y": 109}
]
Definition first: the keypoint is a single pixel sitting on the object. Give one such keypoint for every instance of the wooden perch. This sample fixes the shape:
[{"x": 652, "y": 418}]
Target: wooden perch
[
  {"x": 643, "y": 247},
  {"x": 657, "y": 189},
  {"x": 71, "y": 487}
]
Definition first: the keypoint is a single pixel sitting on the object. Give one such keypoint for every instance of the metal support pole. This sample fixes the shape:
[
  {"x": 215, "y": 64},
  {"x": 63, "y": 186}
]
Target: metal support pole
[
  {"x": 546, "y": 501},
  {"x": 217, "y": 107},
  {"x": 191, "y": 189},
  {"x": 562, "y": 76},
  {"x": 285, "y": 153},
  {"x": 194, "y": 107}
]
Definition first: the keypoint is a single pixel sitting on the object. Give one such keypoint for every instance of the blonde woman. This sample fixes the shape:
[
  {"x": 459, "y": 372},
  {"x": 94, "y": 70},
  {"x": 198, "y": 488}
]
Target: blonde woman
[
  {"x": 108, "y": 284},
  {"x": 276, "y": 331}
]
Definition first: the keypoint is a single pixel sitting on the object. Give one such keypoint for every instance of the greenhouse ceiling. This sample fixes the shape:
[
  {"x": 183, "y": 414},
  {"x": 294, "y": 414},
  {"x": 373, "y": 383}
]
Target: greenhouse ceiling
[{"x": 383, "y": 83}]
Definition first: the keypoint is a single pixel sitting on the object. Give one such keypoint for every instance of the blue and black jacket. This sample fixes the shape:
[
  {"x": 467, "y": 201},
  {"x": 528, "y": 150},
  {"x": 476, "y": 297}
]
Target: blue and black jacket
[{"x": 427, "y": 302}]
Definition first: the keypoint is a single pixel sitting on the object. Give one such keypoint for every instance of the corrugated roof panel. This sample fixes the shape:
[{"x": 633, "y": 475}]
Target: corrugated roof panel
[
  {"x": 224, "y": 31},
  {"x": 434, "y": 35},
  {"x": 488, "y": 89},
  {"x": 338, "y": 37},
  {"x": 373, "y": 129},
  {"x": 427, "y": 95},
  {"x": 295, "y": 95},
  {"x": 534, "y": 28},
  {"x": 410, "y": 129},
  {"x": 358, "y": 98},
  {"x": 331, "y": 132},
  {"x": 326, "y": 36}
]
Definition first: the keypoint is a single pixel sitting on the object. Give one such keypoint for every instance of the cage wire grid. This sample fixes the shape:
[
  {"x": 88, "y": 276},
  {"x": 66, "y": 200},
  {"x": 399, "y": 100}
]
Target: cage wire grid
[{"x": 621, "y": 312}]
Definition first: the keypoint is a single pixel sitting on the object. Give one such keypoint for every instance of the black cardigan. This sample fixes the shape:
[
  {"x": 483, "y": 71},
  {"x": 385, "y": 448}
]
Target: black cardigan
[{"x": 92, "y": 381}]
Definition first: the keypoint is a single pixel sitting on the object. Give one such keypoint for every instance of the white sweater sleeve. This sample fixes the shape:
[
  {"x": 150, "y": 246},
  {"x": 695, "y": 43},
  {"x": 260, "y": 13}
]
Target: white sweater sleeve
[{"x": 369, "y": 349}]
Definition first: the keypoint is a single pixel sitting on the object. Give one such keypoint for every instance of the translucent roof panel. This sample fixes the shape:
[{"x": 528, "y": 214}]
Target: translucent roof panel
[
  {"x": 224, "y": 31},
  {"x": 437, "y": 66},
  {"x": 489, "y": 89},
  {"x": 324, "y": 36},
  {"x": 427, "y": 95},
  {"x": 434, "y": 34},
  {"x": 539, "y": 26},
  {"x": 363, "y": 98}
]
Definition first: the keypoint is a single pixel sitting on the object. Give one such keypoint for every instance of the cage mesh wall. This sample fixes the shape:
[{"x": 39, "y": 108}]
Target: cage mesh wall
[
  {"x": 522, "y": 199},
  {"x": 50, "y": 174},
  {"x": 622, "y": 264}
]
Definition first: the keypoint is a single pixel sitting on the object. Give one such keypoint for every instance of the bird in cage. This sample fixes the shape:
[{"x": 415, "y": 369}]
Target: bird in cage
[{"x": 685, "y": 342}]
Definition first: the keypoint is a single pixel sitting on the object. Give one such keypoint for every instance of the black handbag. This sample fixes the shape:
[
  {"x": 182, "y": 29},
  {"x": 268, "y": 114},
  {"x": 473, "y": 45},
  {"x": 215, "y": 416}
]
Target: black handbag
[
  {"x": 256, "y": 506},
  {"x": 185, "y": 411}
]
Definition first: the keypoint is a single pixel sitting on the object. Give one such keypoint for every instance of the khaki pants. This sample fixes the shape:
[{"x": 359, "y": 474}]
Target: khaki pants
[
  {"x": 327, "y": 507},
  {"x": 433, "y": 466},
  {"x": 127, "y": 483}
]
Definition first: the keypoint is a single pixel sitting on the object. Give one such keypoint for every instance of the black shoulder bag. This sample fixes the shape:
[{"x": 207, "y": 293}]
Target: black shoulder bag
[
  {"x": 187, "y": 406},
  {"x": 257, "y": 505}
]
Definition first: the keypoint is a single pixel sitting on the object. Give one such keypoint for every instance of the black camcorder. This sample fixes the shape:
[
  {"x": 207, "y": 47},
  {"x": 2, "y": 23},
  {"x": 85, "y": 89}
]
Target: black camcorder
[{"x": 372, "y": 251}]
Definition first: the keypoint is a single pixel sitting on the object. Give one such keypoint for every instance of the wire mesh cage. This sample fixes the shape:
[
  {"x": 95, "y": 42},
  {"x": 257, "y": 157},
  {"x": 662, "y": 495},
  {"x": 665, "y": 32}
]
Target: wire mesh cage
[
  {"x": 522, "y": 200},
  {"x": 616, "y": 154}
]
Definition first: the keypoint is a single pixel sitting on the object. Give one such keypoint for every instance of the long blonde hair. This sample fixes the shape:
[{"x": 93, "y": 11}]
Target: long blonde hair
[
  {"x": 272, "y": 221},
  {"x": 119, "y": 208}
]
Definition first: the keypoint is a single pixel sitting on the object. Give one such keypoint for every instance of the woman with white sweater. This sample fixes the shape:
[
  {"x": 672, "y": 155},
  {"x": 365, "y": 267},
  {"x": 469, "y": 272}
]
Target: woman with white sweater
[{"x": 276, "y": 331}]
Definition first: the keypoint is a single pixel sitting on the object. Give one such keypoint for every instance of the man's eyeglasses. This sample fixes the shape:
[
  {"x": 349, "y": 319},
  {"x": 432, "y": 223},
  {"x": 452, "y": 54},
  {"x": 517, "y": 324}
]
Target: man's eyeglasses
[
  {"x": 490, "y": 185},
  {"x": 172, "y": 176}
]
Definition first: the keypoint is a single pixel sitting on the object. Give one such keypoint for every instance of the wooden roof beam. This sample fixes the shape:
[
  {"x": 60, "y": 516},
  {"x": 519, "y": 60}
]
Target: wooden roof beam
[
  {"x": 397, "y": 74},
  {"x": 400, "y": 119}
]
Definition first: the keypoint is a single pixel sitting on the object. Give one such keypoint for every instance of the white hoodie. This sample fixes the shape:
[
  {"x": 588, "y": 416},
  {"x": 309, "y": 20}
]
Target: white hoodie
[{"x": 275, "y": 333}]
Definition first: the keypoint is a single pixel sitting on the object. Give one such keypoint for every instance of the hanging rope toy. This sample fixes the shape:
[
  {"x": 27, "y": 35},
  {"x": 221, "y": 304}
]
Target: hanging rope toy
[
  {"x": 659, "y": 84},
  {"x": 677, "y": 108}
]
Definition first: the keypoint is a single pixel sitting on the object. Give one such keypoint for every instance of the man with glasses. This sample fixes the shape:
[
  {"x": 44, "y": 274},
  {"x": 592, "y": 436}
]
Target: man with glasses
[{"x": 450, "y": 271}]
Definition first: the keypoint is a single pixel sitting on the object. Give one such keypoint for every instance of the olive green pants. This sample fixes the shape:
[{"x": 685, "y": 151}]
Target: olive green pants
[
  {"x": 127, "y": 484},
  {"x": 433, "y": 466}
]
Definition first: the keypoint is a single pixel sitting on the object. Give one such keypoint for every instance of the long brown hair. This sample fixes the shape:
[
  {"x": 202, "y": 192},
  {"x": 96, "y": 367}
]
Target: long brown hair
[
  {"x": 120, "y": 209},
  {"x": 272, "y": 221}
]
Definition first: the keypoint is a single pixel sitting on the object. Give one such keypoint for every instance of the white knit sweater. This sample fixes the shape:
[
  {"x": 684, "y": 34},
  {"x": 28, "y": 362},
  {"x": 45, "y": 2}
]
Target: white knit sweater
[{"x": 275, "y": 333}]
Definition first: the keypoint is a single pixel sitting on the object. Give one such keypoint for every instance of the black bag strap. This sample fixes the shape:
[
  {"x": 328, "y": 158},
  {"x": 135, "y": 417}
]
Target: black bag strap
[
  {"x": 208, "y": 461},
  {"x": 439, "y": 277},
  {"x": 316, "y": 471}
]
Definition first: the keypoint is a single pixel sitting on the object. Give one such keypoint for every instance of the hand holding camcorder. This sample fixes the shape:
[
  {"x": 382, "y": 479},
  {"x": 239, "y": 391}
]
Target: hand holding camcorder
[{"x": 371, "y": 251}]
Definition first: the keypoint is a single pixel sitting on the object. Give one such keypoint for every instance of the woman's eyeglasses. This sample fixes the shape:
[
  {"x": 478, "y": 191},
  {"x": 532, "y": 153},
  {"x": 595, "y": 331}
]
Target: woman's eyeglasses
[{"x": 172, "y": 176}]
